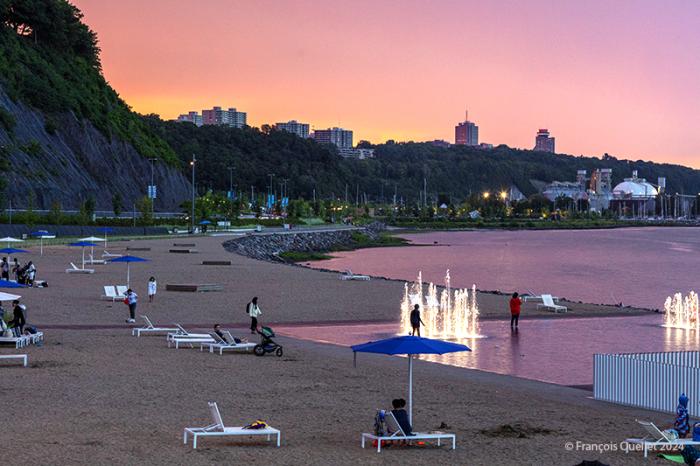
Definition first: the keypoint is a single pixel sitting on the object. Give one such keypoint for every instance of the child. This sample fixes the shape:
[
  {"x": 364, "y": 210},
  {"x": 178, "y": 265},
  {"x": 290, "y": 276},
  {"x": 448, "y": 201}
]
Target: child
[
  {"x": 515, "y": 304},
  {"x": 152, "y": 288},
  {"x": 416, "y": 320}
]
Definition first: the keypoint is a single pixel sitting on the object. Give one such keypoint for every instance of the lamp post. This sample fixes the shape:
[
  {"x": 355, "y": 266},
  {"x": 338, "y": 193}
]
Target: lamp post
[
  {"x": 192, "y": 163},
  {"x": 230, "y": 181},
  {"x": 152, "y": 190}
]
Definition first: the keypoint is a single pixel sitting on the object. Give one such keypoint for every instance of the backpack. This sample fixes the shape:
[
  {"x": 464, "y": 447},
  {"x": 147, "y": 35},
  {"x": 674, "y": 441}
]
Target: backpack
[
  {"x": 247, "y": 307},
  {"x": 379, "y": 423}
]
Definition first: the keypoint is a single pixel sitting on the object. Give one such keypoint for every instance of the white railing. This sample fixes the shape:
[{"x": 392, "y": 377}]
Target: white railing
[{"x": 648, "y": 380}]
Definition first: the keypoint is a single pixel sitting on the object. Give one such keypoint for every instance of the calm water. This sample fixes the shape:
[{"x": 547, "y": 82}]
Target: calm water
[
  {"x": 551, "y": 350},
  {"x": 635, "y": 266}
]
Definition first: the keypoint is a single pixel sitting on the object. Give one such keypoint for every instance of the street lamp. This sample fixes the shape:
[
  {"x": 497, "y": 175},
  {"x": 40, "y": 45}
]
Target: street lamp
[
  {"x": 230, "y": 181},
  {"x": 192, "y": 164},
  {"x": 152, "y": 190},
  {"x": 486, "y": 194},
  {"x": 504, "y": 195}
]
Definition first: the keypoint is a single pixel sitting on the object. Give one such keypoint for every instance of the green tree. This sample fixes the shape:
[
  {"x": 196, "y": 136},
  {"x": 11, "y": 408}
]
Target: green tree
[
  {"x": 145, "y": 206},
  {"x": 117, "y": 204}
]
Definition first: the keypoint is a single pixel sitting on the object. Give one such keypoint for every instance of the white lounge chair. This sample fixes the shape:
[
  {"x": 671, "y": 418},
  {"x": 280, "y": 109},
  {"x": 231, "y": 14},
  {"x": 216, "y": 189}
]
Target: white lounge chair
[
  {"x": 548, "y": 304},
  {"x": 348, "y": 275},
  {"x": 18, "y": 342},
  {"x": 74, "y": 269},
  {"x": 111, "y": 293},
  {"x": 23, "y": 357},
  {"x": 150, "y": 328},
  {"x": 180, "y": 332},
  {"x": 109, "y": 255},
  {"x": 533, "y": 297},
  {"x": 221, "y": 344},
  {"x": 218, "y": 429},
  {"x": 189, "y": 340},
  {"x": 93, "y": 261},
  {"x": 121, "y": 290},
  {"x": 658, "y": 438},
  {"x": 397, "y": 433}
]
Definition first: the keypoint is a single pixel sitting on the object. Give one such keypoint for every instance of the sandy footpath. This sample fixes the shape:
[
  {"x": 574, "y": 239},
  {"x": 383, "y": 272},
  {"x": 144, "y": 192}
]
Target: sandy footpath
[{"x": 96, "y": 395}]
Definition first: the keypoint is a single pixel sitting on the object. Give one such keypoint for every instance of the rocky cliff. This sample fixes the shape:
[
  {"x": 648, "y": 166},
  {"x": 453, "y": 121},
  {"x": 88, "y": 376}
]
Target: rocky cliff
[{"x": 67, "y": 160}]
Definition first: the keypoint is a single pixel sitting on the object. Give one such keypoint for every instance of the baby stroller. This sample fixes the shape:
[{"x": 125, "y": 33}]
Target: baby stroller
[{"x": 267, "y": 344}]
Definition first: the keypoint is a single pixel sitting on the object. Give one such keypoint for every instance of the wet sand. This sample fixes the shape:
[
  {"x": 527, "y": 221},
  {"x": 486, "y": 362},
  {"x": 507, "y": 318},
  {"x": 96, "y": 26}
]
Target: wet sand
[{"x": 93, "y": 394}]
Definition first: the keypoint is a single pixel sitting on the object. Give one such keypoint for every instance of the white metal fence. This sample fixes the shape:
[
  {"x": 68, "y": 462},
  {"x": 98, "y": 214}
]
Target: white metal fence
[{"x": 648, "y": 380}]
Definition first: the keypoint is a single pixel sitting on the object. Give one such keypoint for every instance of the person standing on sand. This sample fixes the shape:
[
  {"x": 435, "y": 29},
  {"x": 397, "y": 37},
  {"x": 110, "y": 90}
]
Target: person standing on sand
[
  {"x": 416, "y": 321},
  {"x": 515, "y": 303},
  {"x": 152, "y": 288},
  {"x": 253, "y": 311},
  {"x": 131, "y": 300},
  {"x": 5, "y": 268}
]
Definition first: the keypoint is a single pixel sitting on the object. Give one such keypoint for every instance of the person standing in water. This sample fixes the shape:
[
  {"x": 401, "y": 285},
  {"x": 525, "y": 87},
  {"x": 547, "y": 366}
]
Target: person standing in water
[
  {"x": 515, "y": 304},
  {"x": 416, "y": 321}
]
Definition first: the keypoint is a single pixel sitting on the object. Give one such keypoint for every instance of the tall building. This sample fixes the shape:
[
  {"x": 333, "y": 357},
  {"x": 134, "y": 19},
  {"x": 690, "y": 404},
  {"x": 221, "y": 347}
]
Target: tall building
[
  {"x": 466, "y": 133},
  {"x": 543, "y": 142},
  {"x": 338, "y": 136},
  {"x": 219, "y": 116},
  {"x": 293, "y": 126},
  {"x": 191, "y": 117}
]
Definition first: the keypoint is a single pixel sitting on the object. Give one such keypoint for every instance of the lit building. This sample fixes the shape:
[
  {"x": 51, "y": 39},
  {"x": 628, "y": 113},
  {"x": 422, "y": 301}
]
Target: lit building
[
  {"x": 634, "y": 197},
  {"x": 572, "y": 189},
  {"x": 543, "y": 142},
  {"x": 293, "y": 126},
  {"x": 338, "y": 136},
  {"x": 191, "y": 117},
  {"x": 466, "y": 134},
  {"x": 219, "y": 116}
]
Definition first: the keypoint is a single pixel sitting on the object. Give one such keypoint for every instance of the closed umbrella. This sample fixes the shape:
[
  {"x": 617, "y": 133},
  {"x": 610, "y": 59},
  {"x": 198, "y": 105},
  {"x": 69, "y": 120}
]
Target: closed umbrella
[
  {"x": 105, "y": 230},
  {"x": 128, "y": 260},
  {"x": 83, "y": 245},
  {"x": 409, "y": 345},
  {"x": 10, "y": 239}
]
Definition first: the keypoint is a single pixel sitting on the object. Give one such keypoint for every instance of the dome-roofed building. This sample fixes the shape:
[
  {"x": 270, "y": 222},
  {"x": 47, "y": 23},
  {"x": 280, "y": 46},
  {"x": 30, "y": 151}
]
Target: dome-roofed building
[{"x": 634, "y": 197}]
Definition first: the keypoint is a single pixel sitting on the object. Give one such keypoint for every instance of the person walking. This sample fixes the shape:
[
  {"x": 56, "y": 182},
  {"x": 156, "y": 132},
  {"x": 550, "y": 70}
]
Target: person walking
[
  {"x": 152, "y": 288},
  {"x": 253, "y": 311},
  {"x": 416, "y": 321},
  {"x": 515, "y": 304},
  {"x": 5, "y": 269},
  {"x": 131, "y": 300}
]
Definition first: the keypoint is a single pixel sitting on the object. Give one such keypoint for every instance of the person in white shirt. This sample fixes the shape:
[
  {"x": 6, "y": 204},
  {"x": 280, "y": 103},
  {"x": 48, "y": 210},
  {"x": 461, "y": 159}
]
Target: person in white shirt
[
  {"x": 132, "y": 300},
  {"x": 253, "y": 311},
  {"x": 152, "y": 288}
]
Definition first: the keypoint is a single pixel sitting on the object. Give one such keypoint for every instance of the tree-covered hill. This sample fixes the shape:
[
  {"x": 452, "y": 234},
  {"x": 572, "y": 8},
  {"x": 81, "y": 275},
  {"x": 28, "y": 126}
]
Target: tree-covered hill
[{"x": 455, "y": 171}]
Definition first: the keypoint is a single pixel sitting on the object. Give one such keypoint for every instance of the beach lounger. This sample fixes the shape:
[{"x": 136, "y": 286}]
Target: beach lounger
[
  {"x": 533, "y": 297},
  {"x": 221, "y": 344},
  {"x": 348, "y": 275},
  {"x": 93, "y": 261},
  {"x": 658, "y": 438},
  {"x": 18, "y": 342},
  {"x": 74, "y": 269},
  {"x": 396, "y": 433},
  {"x": 23, "y": 357},
  {"x": 109, "y": 255},
  {"x": 548, "y": 304},
  {"x": 111, "y": 293},
  {"x": 218, "y": 429},
  {"x": 121, "y": 290},
  {"x": 35, "y": 337},
  {"x": 188, "y": 340},
  {"x": 150, "y": 328},
  {"x": 180, "y": 332}
]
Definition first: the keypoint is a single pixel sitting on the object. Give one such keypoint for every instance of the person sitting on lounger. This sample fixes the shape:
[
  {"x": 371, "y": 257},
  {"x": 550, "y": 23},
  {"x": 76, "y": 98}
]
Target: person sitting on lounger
[
  {"x": 681, "y": 425},
  {"x": 401, "y": 415},
  {"x": 217, "y": 330}
]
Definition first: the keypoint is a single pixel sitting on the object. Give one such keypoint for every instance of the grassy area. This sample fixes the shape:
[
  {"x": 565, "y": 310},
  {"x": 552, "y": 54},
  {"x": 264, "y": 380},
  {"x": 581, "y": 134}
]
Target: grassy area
[{"x": 359, "y": 241}]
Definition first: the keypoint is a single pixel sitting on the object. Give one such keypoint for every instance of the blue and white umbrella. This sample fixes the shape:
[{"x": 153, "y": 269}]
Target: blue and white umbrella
[
  {"x": 128, "y": 260},
  {"x": 83, "y": 245}
]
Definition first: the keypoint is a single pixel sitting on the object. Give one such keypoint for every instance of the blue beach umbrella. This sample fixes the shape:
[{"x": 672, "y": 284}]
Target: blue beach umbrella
[
  {"x": 9, "y": 284},
  {"x": 83, "y": 244},
  {"x": 409, "y": 345},
  {"x": 13, "y": 251},
  {"x": 205, "y": 222},
  {"x": 128, "y": 260}
]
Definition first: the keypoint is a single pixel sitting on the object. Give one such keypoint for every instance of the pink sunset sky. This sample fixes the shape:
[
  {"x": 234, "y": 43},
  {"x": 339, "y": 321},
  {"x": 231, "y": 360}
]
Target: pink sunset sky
[{"x": 621, "y": 76}]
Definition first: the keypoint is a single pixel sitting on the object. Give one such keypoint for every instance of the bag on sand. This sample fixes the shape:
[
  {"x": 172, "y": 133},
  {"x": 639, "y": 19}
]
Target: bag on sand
[{"x": 247, "y": 308}]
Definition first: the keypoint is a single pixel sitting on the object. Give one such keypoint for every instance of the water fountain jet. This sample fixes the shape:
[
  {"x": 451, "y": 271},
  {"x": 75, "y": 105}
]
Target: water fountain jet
[{"x": 680, "y": 312}]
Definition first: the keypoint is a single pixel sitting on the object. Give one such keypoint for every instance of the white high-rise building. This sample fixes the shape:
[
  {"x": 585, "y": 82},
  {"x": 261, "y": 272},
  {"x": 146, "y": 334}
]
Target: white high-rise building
[
  {"x": 293, "y": 126},
  {"x": 338, "y": 136},
  {"x": 219, "y": 116}
]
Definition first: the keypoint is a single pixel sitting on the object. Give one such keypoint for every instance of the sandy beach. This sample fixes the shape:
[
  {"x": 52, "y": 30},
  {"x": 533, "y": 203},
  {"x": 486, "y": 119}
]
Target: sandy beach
[{"x": 93, "y": 394}]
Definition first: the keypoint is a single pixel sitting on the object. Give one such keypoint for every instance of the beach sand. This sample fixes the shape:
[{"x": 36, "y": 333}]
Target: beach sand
[{"x": 96, "y": 395}]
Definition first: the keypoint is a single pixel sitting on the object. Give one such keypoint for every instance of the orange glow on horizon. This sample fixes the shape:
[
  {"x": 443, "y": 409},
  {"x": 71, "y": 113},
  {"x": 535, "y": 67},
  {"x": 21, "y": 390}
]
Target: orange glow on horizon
[{"x": 616, "y": 77}]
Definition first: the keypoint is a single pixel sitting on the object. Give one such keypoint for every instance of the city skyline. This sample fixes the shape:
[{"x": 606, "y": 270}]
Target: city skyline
[{"x": 617, "y": 78}]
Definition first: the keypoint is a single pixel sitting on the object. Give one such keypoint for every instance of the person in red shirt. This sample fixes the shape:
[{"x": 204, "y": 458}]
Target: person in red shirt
[{"x": 515, "y": 303}]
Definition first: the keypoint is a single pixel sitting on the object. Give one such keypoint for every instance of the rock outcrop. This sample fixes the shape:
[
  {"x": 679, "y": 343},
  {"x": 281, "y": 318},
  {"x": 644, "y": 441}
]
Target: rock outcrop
[{"x": 68, "y": 161}]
